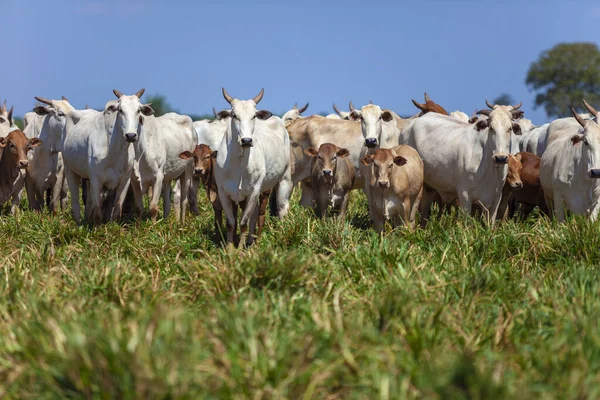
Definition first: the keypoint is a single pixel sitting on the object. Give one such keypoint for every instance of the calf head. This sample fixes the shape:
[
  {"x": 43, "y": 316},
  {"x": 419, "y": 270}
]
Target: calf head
[
  {"x": 429, "y": 106},
  {"x": 382, "y": 163},
  {"x": 591, "y": 144},
  {"x": 202, "y": 156},
  {"x": 499, "y": 126},
  {"x": 371, "y": 117},
  {"x": 513, "y": 178},
  {"x": 55, "y": 120},
  {"x": 16, "y": 145},
  {"x": 326, "y": 159},
  {"x": 294, "y": 113},
  {"x": 130, "y": 114},
  {"x": 243, "y": 115}
]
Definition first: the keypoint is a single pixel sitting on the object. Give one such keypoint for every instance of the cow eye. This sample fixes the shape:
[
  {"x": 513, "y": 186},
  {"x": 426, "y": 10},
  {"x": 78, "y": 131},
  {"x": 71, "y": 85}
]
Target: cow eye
[
  {"x": 61, "y": 114},
  {"x": 585, "y": 141},
  {"x": 11, "y": 144},
  {"x": 334, "y": 158},
  {"x": 391, "y": 165}
]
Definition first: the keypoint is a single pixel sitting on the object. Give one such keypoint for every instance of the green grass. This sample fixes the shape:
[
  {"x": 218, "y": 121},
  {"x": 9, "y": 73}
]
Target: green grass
[{"x": 314, "y": 310}]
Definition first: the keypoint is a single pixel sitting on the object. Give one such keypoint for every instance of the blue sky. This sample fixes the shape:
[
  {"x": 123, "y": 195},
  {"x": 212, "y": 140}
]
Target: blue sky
[{"x": 460, "y": 52}]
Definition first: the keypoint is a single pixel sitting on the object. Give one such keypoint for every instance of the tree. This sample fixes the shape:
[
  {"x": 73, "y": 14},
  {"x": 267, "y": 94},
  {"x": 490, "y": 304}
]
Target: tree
[
  {"x": 564, "y": 75},
  {"x": 504, "y": 99},
  {"x": 160, "y": 105}
]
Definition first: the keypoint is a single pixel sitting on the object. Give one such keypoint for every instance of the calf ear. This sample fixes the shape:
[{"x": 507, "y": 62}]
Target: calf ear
[
  {"x": 186, "y": 155},
  {"x": 41, "y": 110},
  {"x": 366, "y": 160},
  {"x": 214, "y": 154},
  {"x": 343, "y": 153},
  {"x": 147, "y": 110},
  {"x": 354, "y": 116},
  {"x": 576, "y": 139},
  {"x": 518, "y": 157},
  {"x": 263, "y": 114},
  {"x": 481, "y": 125},
  {"x": 517, "y": 129},
  {"x": 386, "y": 116},
  {"x": 399, "y": 160},
  {"x": 34, "y": 142},
  {"x": 2, "y": 142},
  {"x": 311, "y": 152}
]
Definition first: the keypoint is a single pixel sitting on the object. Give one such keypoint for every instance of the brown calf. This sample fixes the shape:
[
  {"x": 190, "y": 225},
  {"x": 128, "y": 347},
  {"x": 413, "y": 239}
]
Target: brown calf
[
  {"x": 395, "y": 180},
  {"x": 429, "y": 106},
  {"x": 332, "y": 177},
  {"x": 204, "y": 161},
  {"x": 14, "y": 159},
  {"x": 522, "y": 186}
]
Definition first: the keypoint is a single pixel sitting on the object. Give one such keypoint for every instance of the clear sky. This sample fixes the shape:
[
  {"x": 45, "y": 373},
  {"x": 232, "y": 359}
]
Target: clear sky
[{"x": 460, "y": 52}]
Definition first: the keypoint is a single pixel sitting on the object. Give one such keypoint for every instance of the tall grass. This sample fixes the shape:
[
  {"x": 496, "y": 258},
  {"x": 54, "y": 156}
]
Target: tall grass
[{"x": 316, "y": 309}]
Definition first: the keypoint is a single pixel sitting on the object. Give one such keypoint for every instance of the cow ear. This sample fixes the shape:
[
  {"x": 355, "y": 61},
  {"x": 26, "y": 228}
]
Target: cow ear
[
  {"x": 481, "y": 125},
  {"x": 41, "y": 110},
  {"x": 263, "y": 114},
  {"x": 517, "y": 129},
  {"x": 34, "y": 142},
  {"x": 517, "y": 114},
  {"x": 386, "y": 116},
  {"x": 354, "y": 116},
  {"x": 518, "y": 157},
  {"x": 366, "y": 160},
  {"x": 311, "y": 152},
  {"x": 2, "y": 142},
  {"x": 186, "y": 155},
  {"x": 111, "y": 108},
  {"x": 223, "y": 114},
  {"x": 576, "y": 139},
  {"x": 214, "y": 154},
  {"x": 399, "y": 160},
  {"x": 146, "y": 110},
  {"x": 343, "y": 153},
  {"x": 473, "y": 119}
]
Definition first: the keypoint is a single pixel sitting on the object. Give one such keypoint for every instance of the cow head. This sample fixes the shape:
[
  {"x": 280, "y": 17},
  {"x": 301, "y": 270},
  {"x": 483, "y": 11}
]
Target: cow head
[
  {"x": 294, "y": 113},
  {"x": 16, "y": 145},
  {"x": 382, "y": 163},
  {"x": 344, "y": 114},
  {"x": 499, "y": 127},
  {"x": 55, "y": 120},
  {"x": 591, "y": 144},
  {"x": 243, "y": 116},
  {"x": 372, "y": 118},
  {"x": 326, "y": 159},
  {"x": 6, "y": 121},
  {"x": 130, "y": 114},
  {"x": 429, "y": 106},
  {"x": 513, "y": 178},
  {"x": 202, "y": 156}
]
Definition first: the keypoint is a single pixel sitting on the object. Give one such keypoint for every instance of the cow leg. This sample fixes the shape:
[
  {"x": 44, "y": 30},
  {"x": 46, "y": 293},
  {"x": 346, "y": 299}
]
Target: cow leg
[
  {"x": 166, "y": 194},
  {"x": 120, "y": 195},
  {"x": 425, "y": 205},
  {"x": 185, "y": 180},
  {"x": 30, "y": 188},
  {"x": 414, "y": 208},
  {"x": 218, "y": 212},
  {"x": 465, "y": 201},
  {"x": 230, "y": 210},
  {"x": 246, "y": 220},
  {"x": 559, "y": 208},
  {"x": 55, "y": 192},
  {"x": 505, "y": 202},
  {"x": 95, "y": 201},
  {"x": 378, "y": 222},
  {"x": 284, "y": 191},
  {"x": 193, "y": 195},
  {"x": 156, "y": 189},
  {"x": 344, "y": 207},
  {"x": 262, "y": 211},
  {"x": 307, "y": 196},
  {"x": 138, "y": 195},
  {"x": 73, "y": 182},
  {"x": 321, "y": 204}
]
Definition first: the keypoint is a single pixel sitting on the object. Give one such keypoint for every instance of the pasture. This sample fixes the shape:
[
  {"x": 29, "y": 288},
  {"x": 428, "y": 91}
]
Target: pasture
[{"x": 315, "y": 309}]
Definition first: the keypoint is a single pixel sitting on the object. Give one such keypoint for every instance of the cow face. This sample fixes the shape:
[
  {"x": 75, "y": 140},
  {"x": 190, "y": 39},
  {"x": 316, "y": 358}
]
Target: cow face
[
  {"x": 243, "y": 115},
  {"x": 294, "y": 113},
  {"x": 382, "y": 163},
  {"x": 590, "y": 140},
  {"x": 499, "y": 128},
  {"x": 55, "y": 120},
  {"x": 130, "y": 114},
  {"x": 16, "y": 145},
  {"x": 202, "y": 156},
  {"x": 343, "y": 114},
  {"x": 371, "y": 117},
  {"x": 513, "y": 178},
  {"x": 326, "y": 159}
]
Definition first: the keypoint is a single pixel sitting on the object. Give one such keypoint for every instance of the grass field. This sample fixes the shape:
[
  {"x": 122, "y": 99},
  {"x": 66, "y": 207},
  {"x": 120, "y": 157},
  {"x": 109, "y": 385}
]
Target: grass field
[{"x": 313, "y": 310}]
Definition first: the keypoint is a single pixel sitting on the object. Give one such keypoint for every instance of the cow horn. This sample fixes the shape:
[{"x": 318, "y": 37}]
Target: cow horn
[
  {"x": 227, "y": 96},
  {"x": 518, "y": 106},
  {"x": 140, "y": 93},
  {"x": 87, "y": 107},
  {"x": 578, "y": 117},
  {"x": 43, "y": 100},
  {"x": 591, "y": 109},
  {"x": 10, "y": 112},
  {"x": 117, "y": 93},
  {"x": 3, "y": 109},
  {"x": 351, "y": 106},
  {"x": 259, "y": 96},
  {"x": 336, "y": 109},
  {"x": 295, "y": 106},
  {"x": 64, "y": 98},
  {"x": 487, "y": 103},
  {"x": 215, "y": 112},
  {"x": 427, "y": 99},
  {"x": 419, "y": 106},
  {"x": 303, "y": 109},
  {"x": 484, "y": 112}
]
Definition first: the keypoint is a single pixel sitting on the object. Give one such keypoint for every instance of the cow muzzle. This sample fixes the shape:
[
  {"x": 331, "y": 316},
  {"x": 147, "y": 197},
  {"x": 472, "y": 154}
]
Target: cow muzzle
[
  {"x": 501, "y": 160},
  {"x": 371, "y": 142},
  {"x": 327, "y": 172},
  {"x": 594, "y": 173},
  {"x": 518, "y": 185},
  {"x": 384, "y": 184},
  {"x": 23, "y": 163},
  {"x": 246, "y": 142},
  {"x": 131, "y": 137},
  {"x": 199, "y": 171}
]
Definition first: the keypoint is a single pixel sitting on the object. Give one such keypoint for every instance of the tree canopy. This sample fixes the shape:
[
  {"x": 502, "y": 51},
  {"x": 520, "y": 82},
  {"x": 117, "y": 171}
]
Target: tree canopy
[
  {"x": 564, "y": 75},
  {"x": 504, "y": 99}
]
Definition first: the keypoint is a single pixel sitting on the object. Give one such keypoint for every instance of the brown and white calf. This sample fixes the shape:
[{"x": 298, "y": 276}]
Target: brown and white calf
[
  {"x": 332, "y": 177},
  {"x": 395, "y": 177},
  {"x": 13, "y": 161},
  {"x": 204, "y": 160}
]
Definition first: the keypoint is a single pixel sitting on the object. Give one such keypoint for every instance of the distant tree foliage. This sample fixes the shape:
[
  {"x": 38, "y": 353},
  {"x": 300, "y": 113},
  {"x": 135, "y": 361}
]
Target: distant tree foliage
[
  {"x": 161, "y": 106},
  {"x": 504, "y": 99},
  {"x": 564, "y": 75}
]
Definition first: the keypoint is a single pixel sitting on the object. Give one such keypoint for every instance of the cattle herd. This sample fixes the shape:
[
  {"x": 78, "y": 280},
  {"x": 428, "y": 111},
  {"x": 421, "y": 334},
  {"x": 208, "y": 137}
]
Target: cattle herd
[{"x": 495, "y": 164}]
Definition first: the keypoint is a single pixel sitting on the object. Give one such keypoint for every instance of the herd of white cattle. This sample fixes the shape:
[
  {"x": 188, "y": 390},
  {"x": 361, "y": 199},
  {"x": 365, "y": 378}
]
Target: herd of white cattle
[{"x": 246, "y": 156}]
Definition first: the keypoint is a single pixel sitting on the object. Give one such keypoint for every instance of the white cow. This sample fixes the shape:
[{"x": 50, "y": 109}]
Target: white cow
[
  {"x": 157, "y": 142},
  {"x": 6, "y": 121},
  {"x": 463, "y": 161},
  {"x": 45, "y": 170},
  {"x": 294, "y": 113},
  {"x": 379, "y": 127},
  {"x": 253, "y": 159},
  {"x": 535, "y": 140},
  {"x": 570, "y": 168},
  {"x": 459, "y": 115},
  {"x": 97, "y": 146},
  {"x": 341, "y": 114}
]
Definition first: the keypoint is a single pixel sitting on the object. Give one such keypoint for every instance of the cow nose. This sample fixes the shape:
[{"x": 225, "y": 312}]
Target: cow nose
[
  {"x": 595, "y": 173},
  {"x": 517, "y": 185},
  {"x": 327, "y": 172},
  {"x": 371, "y": 142},
  {"x": 23, "y": 163},
  {"x": 246, "y": 142},
  {"x": 199, "y": 171},
  {"x": 131, "y": 137},
  {"x": 384, "y": 184},
  {"x": 501, "y": 159}
]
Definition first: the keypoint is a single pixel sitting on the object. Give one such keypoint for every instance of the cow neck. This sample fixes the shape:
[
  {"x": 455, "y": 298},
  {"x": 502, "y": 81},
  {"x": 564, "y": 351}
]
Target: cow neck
[
  {"x": 47, "y": 145},
  {"x": 9, "y": 171},
  {"x": 146, "y": 135}
]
